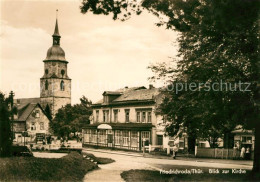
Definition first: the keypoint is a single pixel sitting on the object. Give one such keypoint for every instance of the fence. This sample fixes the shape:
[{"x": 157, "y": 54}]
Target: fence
[{"x": 219, "y": 153}]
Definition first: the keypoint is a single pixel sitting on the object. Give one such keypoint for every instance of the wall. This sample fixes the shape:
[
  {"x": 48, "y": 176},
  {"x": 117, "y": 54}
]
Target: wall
[
  {"x": 55, "y": 67},
  {"x": 121, "y": 113},
  {"x": 54, "y": 87},
  {"x": 37, "y": 120}
]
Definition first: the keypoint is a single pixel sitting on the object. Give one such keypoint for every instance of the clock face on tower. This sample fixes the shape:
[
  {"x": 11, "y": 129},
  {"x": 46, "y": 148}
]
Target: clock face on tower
[{"x": 55, "y": 42}]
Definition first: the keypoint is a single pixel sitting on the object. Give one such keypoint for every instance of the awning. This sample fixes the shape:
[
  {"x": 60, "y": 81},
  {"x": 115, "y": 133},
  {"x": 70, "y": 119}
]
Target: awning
[{"x": 104, "y": 126}]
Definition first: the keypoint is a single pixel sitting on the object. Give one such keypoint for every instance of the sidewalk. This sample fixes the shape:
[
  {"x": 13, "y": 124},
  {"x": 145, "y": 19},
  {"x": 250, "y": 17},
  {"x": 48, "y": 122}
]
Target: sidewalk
[{"x": 183, "y": 158}]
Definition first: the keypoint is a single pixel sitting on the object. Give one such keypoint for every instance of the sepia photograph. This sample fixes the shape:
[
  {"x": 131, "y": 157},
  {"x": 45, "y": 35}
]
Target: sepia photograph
[{"x": 129, "y": 90}]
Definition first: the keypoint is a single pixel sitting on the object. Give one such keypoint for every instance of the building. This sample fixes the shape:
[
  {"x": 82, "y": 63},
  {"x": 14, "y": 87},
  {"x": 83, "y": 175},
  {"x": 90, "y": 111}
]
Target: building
[
  {"x": 244, "y": 138},
  {"x": 32, "y": 119},
  {"x": 55, "y": 83},
  {"x": 126, "y": 119},
  {"x": 55, "y": 92}
]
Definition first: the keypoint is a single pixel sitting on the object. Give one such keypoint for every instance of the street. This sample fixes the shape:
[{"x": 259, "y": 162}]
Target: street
[{"x": 129, "y": 160}]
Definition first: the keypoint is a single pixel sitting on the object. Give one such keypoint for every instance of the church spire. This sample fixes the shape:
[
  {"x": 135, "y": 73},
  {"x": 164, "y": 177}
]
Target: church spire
[
  {"x": 56, "y": 31},
  {"x": 56, "y": 35}
]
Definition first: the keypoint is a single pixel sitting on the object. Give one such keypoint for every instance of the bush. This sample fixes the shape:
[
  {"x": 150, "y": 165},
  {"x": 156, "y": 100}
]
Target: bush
[
  {"x": 100, "y": 160},
  {"x": 72, "y": 167}
]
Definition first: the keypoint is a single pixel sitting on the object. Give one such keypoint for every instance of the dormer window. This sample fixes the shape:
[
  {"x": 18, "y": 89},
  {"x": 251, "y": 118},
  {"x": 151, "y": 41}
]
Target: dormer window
[{"x": 62, "y": 87}]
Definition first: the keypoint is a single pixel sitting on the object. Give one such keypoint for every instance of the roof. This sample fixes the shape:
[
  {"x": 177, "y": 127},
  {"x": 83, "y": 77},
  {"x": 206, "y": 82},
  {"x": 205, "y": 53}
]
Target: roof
[
  {"x": 130, "y": 126},
  {"x": 132, "y": 94},
  {"x": 21, "y": 103},
  {"x": 142, "y": 94},
  {"x": 56, "y": 31},
  {"x": 55, "y": 52},
  {"x": 112, "y": 93},
  {"x": 25, "y": 107},
  {"x": 242, "y": 131},
  {"x": 25, "y": 112}
]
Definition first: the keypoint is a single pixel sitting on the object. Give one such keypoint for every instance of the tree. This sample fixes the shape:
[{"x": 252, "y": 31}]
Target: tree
[
  {"x": 71, "y": 119},
  {"x": 219, "y": 41},
  {"x": 5, "y": 128},
  {"x": 48, "y": 112}
]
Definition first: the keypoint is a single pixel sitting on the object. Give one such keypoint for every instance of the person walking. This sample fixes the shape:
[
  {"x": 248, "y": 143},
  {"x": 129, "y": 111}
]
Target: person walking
[
  {"x": 247, "y": 153},
  {"x": 174, "y": 152},
  {"x": 242, "y": 154}
]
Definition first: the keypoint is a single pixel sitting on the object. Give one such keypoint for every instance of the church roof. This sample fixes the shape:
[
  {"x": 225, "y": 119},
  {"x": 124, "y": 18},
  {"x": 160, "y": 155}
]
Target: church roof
[
  {"x": 56, "y": 30},
  {"x": 55, "y": 52}
]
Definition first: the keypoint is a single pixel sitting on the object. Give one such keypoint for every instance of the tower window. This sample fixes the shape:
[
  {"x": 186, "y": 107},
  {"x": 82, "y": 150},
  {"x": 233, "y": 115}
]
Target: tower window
[
  {"x": 62, "y": 72},
  {"x": 62, "y": 88},
  {"x": 46, "y": 85},
  {"x": 46, "y": 71}
]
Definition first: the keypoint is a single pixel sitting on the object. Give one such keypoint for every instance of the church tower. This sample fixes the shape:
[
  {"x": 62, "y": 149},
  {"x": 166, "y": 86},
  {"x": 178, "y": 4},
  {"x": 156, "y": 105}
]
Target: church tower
[{"x": 55, "y": 83}]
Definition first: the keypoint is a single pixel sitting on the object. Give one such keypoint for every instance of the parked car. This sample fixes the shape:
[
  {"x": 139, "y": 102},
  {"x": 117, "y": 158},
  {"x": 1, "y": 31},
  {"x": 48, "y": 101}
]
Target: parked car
[{"x": 23, "y": 151}]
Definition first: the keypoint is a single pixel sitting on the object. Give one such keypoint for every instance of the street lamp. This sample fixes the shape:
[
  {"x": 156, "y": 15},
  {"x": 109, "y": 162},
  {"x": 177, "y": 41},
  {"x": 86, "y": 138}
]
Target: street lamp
[{"x": 11, "y": 97}]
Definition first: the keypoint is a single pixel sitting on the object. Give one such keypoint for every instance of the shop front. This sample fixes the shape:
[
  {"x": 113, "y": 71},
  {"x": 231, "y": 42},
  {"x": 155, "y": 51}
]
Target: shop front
[{"x": 118, "y": 135}]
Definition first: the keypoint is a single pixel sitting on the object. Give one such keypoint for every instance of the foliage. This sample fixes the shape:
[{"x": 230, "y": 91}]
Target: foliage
[
  {"x": 99, "y": 160},
  {"x": 5, "y": 127},
  {"x": 72, "y": 167},
  {"x": 71, "y": 119}
]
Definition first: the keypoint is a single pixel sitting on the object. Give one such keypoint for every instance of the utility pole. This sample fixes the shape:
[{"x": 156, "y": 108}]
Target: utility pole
[{"x": 11, "y": 97}]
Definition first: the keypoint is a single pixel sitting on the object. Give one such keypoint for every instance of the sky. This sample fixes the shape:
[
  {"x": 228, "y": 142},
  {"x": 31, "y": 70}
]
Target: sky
[{"x": 103, "y": 54}]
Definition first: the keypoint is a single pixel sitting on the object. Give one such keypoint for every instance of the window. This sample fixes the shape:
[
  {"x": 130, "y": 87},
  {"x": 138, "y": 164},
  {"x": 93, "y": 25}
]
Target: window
[
  {"x": 247, "y": 139},
  {"x": 97, "y": 115},
  {"x": 105, "y": 115},
  {"x": 115, "y": 115},
  {"x": 149, "y": 117},
  {"x": 127, "y": 111},
  {"x": 143, "y": 117},
  {"x": 41, "y": 126},
  {"x": 46, "y": 71},
  {"x": 105, "y": 99},
  {"x": 146, "y": 136},
  {"x": 102, "y": 136},
  {"x": 138, "y": 117},
  {"x": 134, "y": 138},
  {"x": 159, "y": 139},
  {"x": 93, "y": 136},
  {"x": 37, "y": 113},
  {"x": 33, "y": 126},
  {"x": 46, "y": 85},
  {"x": 125, "y": 138},
  {"x": 117, "y": 137},
  {"x": 62, "y": 72},
  {"x": 62, "y": 88}
]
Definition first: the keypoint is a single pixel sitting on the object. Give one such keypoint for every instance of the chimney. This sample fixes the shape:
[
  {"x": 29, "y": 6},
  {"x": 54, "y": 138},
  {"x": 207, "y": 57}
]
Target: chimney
[{"x": 151, "y": 86}]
